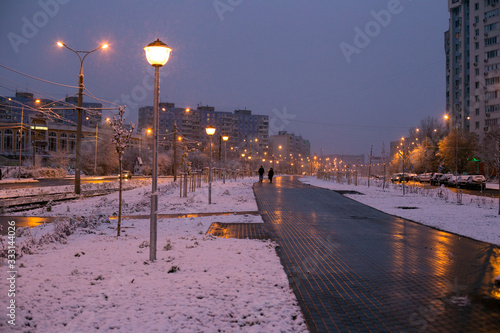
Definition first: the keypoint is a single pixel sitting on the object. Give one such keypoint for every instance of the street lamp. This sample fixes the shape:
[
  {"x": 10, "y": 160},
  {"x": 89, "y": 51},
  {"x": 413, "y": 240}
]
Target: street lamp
[
  {"x": 210, "y": 131},
  {"x": 80, "y": 110},
  {"x": 157, "y": 54},
  {"x": 225, "y": 138}
]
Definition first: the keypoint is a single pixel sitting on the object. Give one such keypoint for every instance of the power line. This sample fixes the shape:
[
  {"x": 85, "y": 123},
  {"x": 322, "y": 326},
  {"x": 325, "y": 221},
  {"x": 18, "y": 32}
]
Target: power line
[{"x": 36, "y": 78}]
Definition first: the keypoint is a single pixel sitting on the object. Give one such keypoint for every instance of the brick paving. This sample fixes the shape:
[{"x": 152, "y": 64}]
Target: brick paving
[{"x": 356, "y": 269}]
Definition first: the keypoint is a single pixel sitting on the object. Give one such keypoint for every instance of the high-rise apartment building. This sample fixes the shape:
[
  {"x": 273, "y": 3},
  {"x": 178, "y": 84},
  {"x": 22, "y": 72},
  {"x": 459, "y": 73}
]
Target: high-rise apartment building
[
  {"x": 472, "y": 47},
  {"x": 241, "y": 125}
]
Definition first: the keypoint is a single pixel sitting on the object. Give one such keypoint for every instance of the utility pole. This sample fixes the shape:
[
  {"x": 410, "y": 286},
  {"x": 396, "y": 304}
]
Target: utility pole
[
  {"x": 175, "y": 150},
  {"x": 34, "y": 144},
  {"x": 20, "y": 144},
  {"x": 370, "y": 166},
  {"x": 95, "y": 158}
]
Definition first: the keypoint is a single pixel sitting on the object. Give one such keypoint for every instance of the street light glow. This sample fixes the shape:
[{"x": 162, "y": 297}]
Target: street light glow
[
  {"x": 157, "y": 53},
  {"x": 225, "y": 137},
  {"x": 210, "y": 130}
]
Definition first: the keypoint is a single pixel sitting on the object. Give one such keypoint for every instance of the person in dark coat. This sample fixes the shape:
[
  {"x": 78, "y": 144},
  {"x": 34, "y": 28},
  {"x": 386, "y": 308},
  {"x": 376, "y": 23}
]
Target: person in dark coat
[
  {"x": 270, "y": 174},
  {"x": 261, "y": 174}
]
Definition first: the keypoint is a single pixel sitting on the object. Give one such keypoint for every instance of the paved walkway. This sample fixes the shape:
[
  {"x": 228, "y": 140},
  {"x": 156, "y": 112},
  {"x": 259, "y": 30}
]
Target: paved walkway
[{"x": 356, "y": 269}]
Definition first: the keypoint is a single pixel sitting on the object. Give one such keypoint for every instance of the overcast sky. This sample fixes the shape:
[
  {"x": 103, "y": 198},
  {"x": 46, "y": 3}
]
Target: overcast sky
[{"x": 343, "y": 74}]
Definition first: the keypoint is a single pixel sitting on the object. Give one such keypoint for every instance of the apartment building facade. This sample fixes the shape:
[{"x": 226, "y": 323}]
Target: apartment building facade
[
  {"x": 472, "y": 48},
  {"x": 240, "y": 126}
]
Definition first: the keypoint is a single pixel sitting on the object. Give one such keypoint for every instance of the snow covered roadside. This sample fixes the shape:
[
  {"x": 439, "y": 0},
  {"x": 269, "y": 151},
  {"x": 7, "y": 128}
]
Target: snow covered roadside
[
  {"x": 199, "y": 283},
  {"x": 108, "y": 185},
  {"x": 476, "y": 218},
  {"x": 230, "y": 197}
]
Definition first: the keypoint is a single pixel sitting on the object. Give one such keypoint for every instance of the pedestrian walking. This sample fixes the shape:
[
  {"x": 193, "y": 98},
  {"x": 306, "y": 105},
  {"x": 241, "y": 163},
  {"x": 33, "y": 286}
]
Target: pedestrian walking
[
  {"x": 261, "y": 174},
  {"x": 270, "y": 175}
]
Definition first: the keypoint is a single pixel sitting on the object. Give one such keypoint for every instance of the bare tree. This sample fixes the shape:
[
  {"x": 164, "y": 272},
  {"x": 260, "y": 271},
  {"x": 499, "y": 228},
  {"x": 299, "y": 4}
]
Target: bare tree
[
  {"x": 60, "y": 159},
  {"x": 106, "y": 161},
  {"x": 121, "y": 139}
]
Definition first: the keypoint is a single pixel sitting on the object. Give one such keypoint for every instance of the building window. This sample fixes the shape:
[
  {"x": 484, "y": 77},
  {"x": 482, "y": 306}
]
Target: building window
[
  {"x": 7, "y": 140},
  {"x": 490, "y": 41},
  {"x": 52, "y": 141},
  {"x": 490, "y": 27},
  {"x": 20, "y": 140},
  {"x": 72, "y": 142},
  {"x": 492, "y": 81},
  {"x": 477, "y": 45},
  {"x": 477, "y": 124},
  {"x": 492, "y": 108},
  {"x": 63, "y": 142},
  {"x": 491, "y": 122},
  {"x": 491, "y": 95},
  {"x": 476, "y": 6},
  {"x": 491, "y": 54},
  {"x": 491, "y": 13},
  {"x": 477, "y": 112}
]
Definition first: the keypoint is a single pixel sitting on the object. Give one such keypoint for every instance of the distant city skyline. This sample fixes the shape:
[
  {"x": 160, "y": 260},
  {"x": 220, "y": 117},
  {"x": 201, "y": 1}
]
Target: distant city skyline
[{"x": 342, "y": 75}]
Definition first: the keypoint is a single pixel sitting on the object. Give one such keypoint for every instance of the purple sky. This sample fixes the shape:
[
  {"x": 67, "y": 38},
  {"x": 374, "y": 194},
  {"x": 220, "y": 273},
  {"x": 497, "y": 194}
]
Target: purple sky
[{"x": 280, "y": 58}]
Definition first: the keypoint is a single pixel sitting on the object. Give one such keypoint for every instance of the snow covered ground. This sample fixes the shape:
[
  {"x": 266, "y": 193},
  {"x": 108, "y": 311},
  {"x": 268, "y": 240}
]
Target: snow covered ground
[
  {"x": 93, "y": 280},
  {"x": 477, "y": 217}
]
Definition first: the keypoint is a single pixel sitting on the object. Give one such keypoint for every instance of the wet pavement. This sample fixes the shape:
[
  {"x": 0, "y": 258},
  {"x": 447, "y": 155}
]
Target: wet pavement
[
  {"x": 25, "y": 221},
  {"x": 356, "y": 269}
]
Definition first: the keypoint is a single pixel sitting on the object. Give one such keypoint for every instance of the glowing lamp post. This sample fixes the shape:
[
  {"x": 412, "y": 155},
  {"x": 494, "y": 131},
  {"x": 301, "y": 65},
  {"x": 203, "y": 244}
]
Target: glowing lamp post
[
  {"x": 157, "y": 54},
  {"x": 225, "y": 138},
  {"x": 79, "y": 120},
  {"x": 210, "y": 131}
]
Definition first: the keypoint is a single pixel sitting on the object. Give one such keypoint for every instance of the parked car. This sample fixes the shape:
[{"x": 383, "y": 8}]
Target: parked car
[
  {"x": 397, "y": 177},
  {"x": 424, "y": 177},
  {"x": 458, "y": 181},
  {"x": 445, "y": 179},
  {"x": 411, "y": 176},
  {"x": 476, "y": 182},
  {"x": 435, "y": 178}
]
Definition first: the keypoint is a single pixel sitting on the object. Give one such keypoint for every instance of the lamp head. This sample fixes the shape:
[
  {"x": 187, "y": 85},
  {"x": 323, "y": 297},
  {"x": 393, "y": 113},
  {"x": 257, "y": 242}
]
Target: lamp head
[
  {"x": 157, "y": 53},
  {"x": 210, "y": 130},
  {"x": 225, "y": 137}
]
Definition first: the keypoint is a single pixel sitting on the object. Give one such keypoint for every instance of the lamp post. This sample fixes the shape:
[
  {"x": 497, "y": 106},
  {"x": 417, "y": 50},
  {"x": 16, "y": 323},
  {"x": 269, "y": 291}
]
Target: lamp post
[
  {"x": 225, "y": 138},
  {"x": 95, "y": 157},
  {"x": 210, "y": 131},
  {"x": 80, "y": 110},
  {"x": 157, "y": 54}
]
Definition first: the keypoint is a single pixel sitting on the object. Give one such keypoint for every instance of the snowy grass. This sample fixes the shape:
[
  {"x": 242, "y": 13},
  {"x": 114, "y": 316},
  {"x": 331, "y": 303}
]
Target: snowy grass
[
  {"x": 85, "y": 278},
  {"x": 476, "y": 217}
]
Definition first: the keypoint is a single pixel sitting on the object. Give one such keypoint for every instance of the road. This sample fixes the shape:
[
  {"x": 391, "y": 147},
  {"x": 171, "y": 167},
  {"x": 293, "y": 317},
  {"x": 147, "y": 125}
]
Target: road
[{"x": 356, "y": 269}]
